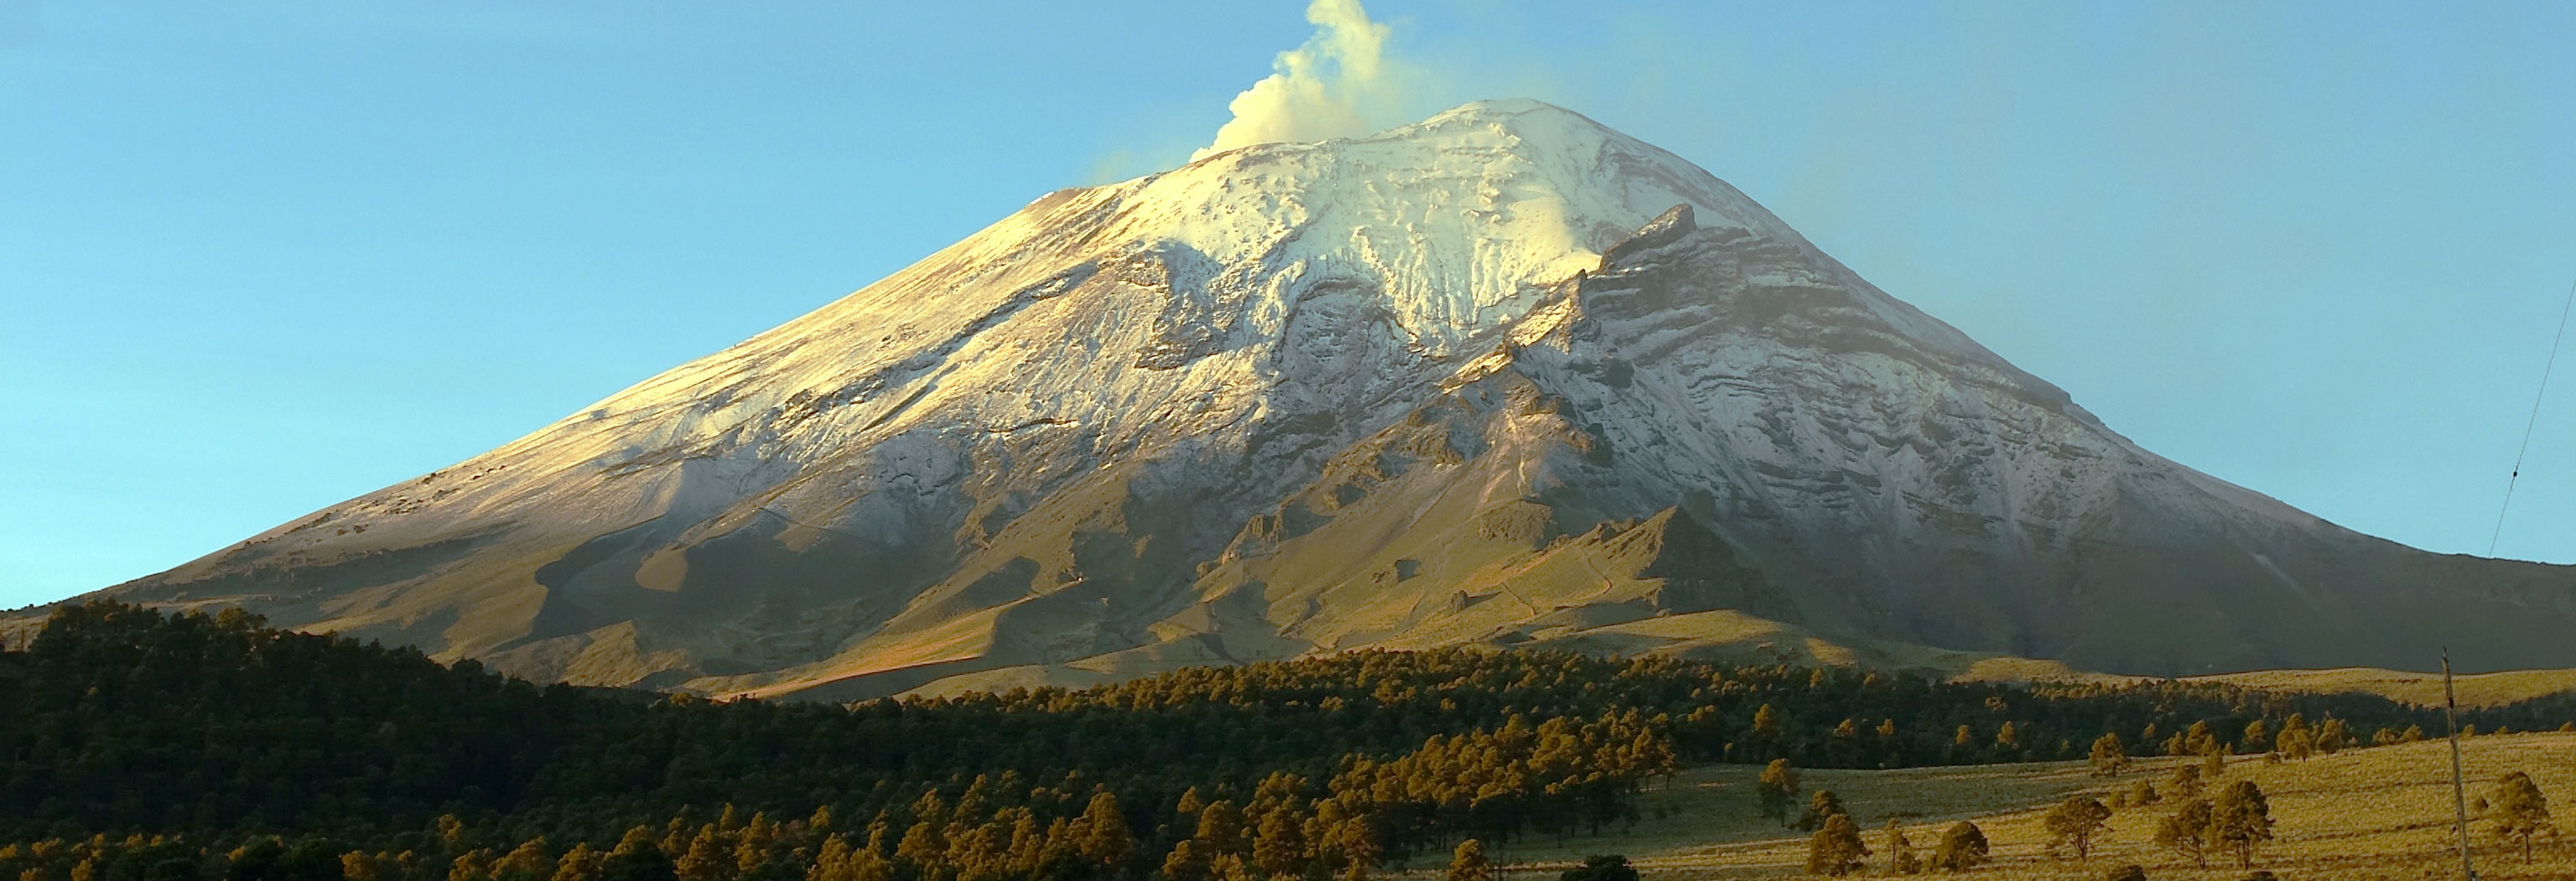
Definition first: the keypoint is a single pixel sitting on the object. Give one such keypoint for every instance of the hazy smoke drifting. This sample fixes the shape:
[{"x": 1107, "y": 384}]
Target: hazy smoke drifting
[{"x": 1339, "y": 84}]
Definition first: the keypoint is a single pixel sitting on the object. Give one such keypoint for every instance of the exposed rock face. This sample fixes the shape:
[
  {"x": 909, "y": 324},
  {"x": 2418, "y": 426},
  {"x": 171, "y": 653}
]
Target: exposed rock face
[{"x": 1502, "y": 377}]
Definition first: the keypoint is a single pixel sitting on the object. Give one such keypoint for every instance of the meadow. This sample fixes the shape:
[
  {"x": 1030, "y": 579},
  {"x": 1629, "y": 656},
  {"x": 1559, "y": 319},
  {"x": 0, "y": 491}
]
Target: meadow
[{"x": 2377, "y": 813}]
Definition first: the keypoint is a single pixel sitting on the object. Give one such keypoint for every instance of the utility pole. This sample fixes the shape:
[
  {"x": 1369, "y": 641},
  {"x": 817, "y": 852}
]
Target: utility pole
[{"x": 2459, "y": 784}]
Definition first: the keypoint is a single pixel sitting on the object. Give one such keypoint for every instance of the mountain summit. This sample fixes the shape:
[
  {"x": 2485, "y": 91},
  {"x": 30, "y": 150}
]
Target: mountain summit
[{"x": 1503, "y": 377}]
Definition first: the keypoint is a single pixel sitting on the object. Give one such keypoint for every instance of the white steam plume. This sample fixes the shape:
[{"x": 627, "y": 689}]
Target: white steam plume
[{"x": 1339, "y": 84}]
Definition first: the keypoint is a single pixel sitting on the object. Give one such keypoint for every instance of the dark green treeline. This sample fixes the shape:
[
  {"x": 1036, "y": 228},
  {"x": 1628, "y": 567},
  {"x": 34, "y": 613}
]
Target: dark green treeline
[{"x": 160, "y": 748}]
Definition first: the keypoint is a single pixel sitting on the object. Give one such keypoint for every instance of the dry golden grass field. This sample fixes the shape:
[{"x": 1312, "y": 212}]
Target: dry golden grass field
[
  {"x": 2382, "y": 813},
  {"x": 2419, "y": 689}
]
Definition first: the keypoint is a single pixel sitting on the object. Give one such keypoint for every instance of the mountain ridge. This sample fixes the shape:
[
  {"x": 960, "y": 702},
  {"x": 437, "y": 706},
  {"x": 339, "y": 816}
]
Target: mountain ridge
[{"x": 1209, "y": 415}]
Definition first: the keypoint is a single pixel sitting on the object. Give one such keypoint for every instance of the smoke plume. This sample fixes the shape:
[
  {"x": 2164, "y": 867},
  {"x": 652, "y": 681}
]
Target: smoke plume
[{"x": 1339, "y": 84}]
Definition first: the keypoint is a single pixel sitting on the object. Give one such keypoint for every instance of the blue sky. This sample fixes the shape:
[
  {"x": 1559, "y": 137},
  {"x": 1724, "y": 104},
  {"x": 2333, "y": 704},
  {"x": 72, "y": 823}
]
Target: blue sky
[{"x": 257, "y": 257}]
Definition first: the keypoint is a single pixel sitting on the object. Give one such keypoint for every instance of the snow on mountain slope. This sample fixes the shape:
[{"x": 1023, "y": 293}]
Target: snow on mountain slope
[{"x": 1503, "y": 376}]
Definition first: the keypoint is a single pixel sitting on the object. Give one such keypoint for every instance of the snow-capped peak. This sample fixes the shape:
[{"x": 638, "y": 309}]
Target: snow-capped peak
[{"x": 1457, "y": 218}]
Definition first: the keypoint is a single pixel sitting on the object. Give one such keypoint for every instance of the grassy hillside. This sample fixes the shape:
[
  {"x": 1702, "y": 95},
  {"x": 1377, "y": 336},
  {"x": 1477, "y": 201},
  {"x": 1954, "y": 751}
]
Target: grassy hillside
[
  {"x": 2418, "y": 689},
  {"x": 2415, "y": 689},
  {"x": 2381, "y": 813}
]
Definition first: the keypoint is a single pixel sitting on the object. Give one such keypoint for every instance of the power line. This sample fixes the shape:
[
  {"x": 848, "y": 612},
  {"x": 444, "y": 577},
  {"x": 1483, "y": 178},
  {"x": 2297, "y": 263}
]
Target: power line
[{"x": 2527, "y": 425}]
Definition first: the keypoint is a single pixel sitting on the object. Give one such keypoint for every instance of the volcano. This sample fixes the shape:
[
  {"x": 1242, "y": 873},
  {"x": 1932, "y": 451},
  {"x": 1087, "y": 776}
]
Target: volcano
[{"x": 1503, "y": 377}]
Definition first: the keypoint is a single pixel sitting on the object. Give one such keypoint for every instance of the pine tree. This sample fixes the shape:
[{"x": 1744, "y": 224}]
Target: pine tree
[
  {"x": 1279, "y": 844},
  {"x": 1900, "y": 851},
  {"x": 705, "y": 859},
  {"x": 675, "y": 837},
  {"x": 2295, "y": 741},
  {"x": 924, "y": 847},
  {"x": 833, "y": 862},
  {"x": 1028, "y": 843},
  {"x": 2198, "y": 739},
  {"x": 1220, "y": 828},
  {"x": 1778, "y": 789},
  {"x": 637, "y": 858},
  {"x": 1185, "y": 863},
  {"x": 1846, "y": 738},
  {"x": 2186, "y": 832},
  {"x": 1825, "y": 805},
  {"x": 1360, "y": 848},
  {"x": 1963, "y": 847},
  {"x": 2076, "y": 821},
  {"x": 1836, "y": 849},
  {"x": 1105, "y": 839},
  {"x": 2519, "y": 810},
  {"x": 1766, "y": 726},
  {"x": 472, "y": 865},
  {"x": 355, "y": 865},
  {"x": 2185, "y": 781},
  {"x": 2239, "y": 820},
  {"x": 2333, "y": 736},
  {"x": 2110, "y": 755},
  {"x": 1654, "y": 756},
  {"x": 1468, "y": 863},
  {"x": 527, "y": 862},
  {"x": 751, "y": 850}
]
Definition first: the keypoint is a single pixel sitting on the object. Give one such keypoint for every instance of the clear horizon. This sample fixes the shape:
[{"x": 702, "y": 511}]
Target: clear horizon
[{"x": 263, "y": 258}]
